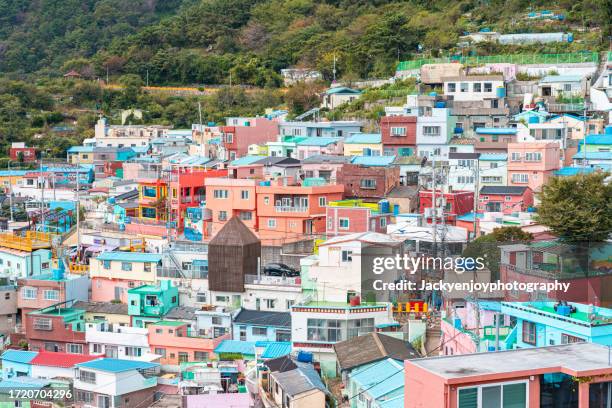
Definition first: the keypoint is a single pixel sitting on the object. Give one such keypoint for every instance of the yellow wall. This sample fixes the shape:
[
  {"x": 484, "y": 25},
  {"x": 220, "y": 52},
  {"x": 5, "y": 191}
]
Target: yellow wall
[
  {"x": 110, "y": 318},
  {"x": 116, "y": 272},
  {"x": 357, "y": 149}
]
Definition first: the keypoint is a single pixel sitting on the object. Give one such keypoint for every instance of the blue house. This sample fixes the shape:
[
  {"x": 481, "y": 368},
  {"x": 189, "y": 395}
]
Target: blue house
[
  {"x": 319, "y": 129},
  {"x": 258, "y": 325},
  {"x": 540, "y": 324},
  {"x": 365, "y": 384},
  {"x": 16, "y": 363}
]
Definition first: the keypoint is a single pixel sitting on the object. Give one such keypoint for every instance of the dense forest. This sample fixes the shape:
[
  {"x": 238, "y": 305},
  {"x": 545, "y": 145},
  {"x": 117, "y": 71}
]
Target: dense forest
[{"x": 204, "y": 41}]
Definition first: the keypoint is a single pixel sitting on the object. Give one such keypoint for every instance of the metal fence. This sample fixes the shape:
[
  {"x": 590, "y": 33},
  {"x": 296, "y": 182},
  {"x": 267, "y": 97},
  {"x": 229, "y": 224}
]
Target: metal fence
[{"x": 521, "y": 59}]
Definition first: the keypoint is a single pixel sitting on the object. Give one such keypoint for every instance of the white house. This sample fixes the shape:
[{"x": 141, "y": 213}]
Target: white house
[
  {"x": 562, "y": 86},
  {"x": 115, "y": 341},
  {"x": 337, "y": 96},
  {"x": 474, "y": 87},
  {"x": 434, "y": 130},
  {"x": 492, "y": 169},
  {"x": 109, "y": 383},
  {"x": 463, "y": 170}
]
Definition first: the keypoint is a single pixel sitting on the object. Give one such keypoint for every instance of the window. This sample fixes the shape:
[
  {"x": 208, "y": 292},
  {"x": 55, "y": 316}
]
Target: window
[
  {"x": 322, "y": 201},
  {"x": 133, "y": 351},
  {"x": 266, "y": 200},
  {"x": 28, "y": 293},
  {"x": 360, "y": 327},
  {"x": 51, "y": 347},
  {"x": 516, "y": 156},
  {"x": 431, "y": 130},
  {"x": 398, "y": 131},
  {"x": 383, "y": 222},
  {"x": 520, "y": 178},
  {"x": 74, "y": 348},
  {"x": 229, "y": 138},
  {"x": 244, "y": 194},
  {"x": 201, "y": 297},
  {"x": 493, "y": 165},
  {"x": 104, "y": 401},
  {"x": 508, "y": 198},
  {"x": 466, "y": 163},
  {"x": 324, "y": 330},
  {"x": 465, "y": 179},
  {"x": 451, "y": 87},
  {"x": 347, "y": 256},
  {"x": 465, "y": 87},
  {"x": 533, "y": 156},
  {"x": 87, "y": 377},
  {"x": 97, "y": 348},
  {"x": 222, "y": 299},
  {"x": 568, "y": 339},
  {"x": 147, "y": 267},
  {"x": 200, "y": 355},
  {"x": 529, "y": 333},
  {"x": 7, "y": 295},
  {"x": 488, "y": 87},
  {"x": 222, "y": 215},
  {"x": 51, "y": 295},
  {"x": 343, "y": 223},
  {"x": 368, "y": 183},
  {"x": 506, "y": 395},
  {"x": 260, "y": 331},
  {"x": 477, "y": 87},
  {"x": 272, "y": 223},
  {"x": 126, "y": 266},
  {"x": 220, "y": 194},
  {"x": 44, "y": 265},
  {"x": 43, "y": 324},
  {"x": 106, "y": 264},
  {"x": 270, "y": 303},
  {"x": 246, "y": 215},
  {"x": 567, "y": 87},
  {"x": 84, "y": 396},
  {"x": 183, "y": 357}
]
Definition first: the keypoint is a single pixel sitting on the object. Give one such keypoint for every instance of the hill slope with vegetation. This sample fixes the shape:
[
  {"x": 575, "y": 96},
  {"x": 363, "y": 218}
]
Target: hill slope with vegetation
[{"x": 203, "y": 41}]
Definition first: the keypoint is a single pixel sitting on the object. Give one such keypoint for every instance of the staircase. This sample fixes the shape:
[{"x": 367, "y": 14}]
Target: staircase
[{"x": 433, "y": 336}]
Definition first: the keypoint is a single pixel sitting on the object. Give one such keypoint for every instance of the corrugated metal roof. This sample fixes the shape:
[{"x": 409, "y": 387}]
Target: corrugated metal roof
[
  {"x": 598, "y": 140},
  {"x": 493, "y": 156},
  {"x": 319, "y": 141},
  {"x": 276, "y": 349},
  {"x": 236, "y": 346},
  {"x": 245, "y": 161},
  {"x": 114, "y": 365},
  {"x": 364, "y": 138},
  {"x": 572, "y": 171},
  {"x": 374, "y": 161},
  {"x": 496, "y": 131},
  {"x": 263, "y": 318},
  {"x": 560, "y": 78},
  {"x": 19, "y": 356},
  {"x": 593, "y": 155}
]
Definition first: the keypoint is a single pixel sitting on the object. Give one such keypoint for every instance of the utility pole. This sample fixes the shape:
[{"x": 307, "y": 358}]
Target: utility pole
[
  {"x": 334, "y": 70},
  {"x": 147, "y": 77},
  {"x": 434, "y": 207},
  {"x": 42, "y": 191},
  {"x": 78, "y": 208},
  {"x": 476, "y": 192},
  {"x": 10, "y": 193}
]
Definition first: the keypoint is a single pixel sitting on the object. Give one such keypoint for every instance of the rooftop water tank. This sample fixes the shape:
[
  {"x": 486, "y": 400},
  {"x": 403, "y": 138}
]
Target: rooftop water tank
[
  {"x": 304, "y": 356},
  {"x": 608, "y": 130},
  {"x": 440, "y": 104},
  {"x": 533, "y": 119},
  {"x": 500, "y": 92},
  {"x": 384, "y": 206}
]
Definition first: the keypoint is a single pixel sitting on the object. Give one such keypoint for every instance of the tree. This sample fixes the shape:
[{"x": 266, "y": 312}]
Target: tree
[
  {"x": 487, "y": 246},
  {"x": 578, "y": 208},
  {"x": 303, "y": 96}
]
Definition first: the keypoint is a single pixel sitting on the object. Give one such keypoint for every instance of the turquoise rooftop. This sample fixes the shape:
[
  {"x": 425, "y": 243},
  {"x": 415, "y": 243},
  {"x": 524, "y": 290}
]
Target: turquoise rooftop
[
  {"x": 129, "y": 256},
  {"x": 319, "y": 141},
  {"x": 374, "y": 161},
  {"x": 19, "y": 356},
  {"x": 236, "y": 346},
  {"x": 114, "y": 365},
  {"x": 364, "y": 138}
]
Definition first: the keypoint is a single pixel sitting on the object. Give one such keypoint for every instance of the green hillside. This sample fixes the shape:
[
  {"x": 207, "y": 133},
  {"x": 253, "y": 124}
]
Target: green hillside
[{"x": 203, "y": 41}]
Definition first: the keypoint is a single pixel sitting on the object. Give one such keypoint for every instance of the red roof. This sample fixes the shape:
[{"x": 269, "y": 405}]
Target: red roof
[{"x": 67, "y": 360}]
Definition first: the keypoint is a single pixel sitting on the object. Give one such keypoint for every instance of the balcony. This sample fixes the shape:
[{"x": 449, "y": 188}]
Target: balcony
[{"x": 289, "y": 209}]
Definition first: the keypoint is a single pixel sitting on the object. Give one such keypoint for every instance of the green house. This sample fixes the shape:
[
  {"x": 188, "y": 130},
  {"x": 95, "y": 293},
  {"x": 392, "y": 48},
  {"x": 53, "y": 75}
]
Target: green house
[{"x": 150, "y": 303}]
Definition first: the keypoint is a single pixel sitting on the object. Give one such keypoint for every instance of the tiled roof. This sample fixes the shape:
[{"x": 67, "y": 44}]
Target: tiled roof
[
  {"x": 263, "y": 318},
  {"x": 129, "y": 256},
  {"x": 114, "y": 365},
  {"x": 372, "y": 347},
  {"x": 66, "y": 360},
  {"x": 503, "y": 190},
  {"x": 102, "y": 307}
]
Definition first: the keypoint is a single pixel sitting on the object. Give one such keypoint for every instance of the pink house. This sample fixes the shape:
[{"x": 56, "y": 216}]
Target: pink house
[
  {"x": 532, "y": 164},
  {"x": 227, "y": 197},
  {"x": 505, "y": 199},
  {"x": 509, "y": 378},
  {"x": 242, "y": 132},
  {"x": 175, "y": 342},
  {"x": 313, "y": 146},
  {"x": 324, "y": 166},
  {"x": 351, "y": 216}
]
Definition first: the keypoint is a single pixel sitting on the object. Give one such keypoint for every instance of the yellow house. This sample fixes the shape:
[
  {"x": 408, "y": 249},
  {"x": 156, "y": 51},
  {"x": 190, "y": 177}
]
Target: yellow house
[
  {"x": 363, "y": 144},
  {"x": 258, "y": 150},
  {"x": 81, "y": 155},
  {"x": 132, "y": 266},
  {"x": 112, "y": 313},
  {"x": 11, "y": 178}
]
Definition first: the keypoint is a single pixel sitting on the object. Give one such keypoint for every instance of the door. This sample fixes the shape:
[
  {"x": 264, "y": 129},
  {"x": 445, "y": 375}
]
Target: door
[{"x": 112, "y": 352}]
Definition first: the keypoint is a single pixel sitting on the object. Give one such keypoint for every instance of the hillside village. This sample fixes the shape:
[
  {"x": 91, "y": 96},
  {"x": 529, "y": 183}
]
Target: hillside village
[{"x": 222, "y": 265}]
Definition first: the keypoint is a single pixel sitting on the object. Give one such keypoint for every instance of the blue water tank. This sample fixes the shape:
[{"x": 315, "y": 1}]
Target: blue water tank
[
  {"x": 458, "y": 130},
  {"x": 570, "y": 37},
  {"x": 265, "y": 183},
  {"x": 434, "y": 94},
  {"x": 111, "y": 200},
  {"x": 211, "y": 124},
  {"x": 396, "y": 210},
  {"x": 533, "y": 119},
  {"x": 564, "y": 310},
  {"x": 608, "y": 130},
  {"x": 304, "y": 357},
  {"x": 440, "y": 104},
  {"x": 457, "y": 324},
  {"x": 384, "y": 207},
  {"x": 58, "y": 274},
  {"x": 500, "y": 92}
]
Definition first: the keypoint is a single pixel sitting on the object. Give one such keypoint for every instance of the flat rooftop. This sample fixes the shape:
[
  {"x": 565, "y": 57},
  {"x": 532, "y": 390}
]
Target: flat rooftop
[{"x": 579, "y": 359}]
